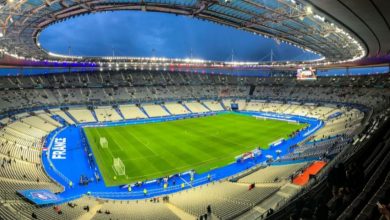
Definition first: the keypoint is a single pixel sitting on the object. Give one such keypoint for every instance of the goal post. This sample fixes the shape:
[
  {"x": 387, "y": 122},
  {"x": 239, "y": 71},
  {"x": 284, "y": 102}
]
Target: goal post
[
  {"x": 293, "y": 122},
  {"x": 103, "y": 142},
  {"x": 118, "y": 166}
]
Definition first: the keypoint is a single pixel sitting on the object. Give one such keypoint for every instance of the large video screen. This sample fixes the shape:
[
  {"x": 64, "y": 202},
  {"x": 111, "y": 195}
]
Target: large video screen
[{"x": 306, "y": 74}]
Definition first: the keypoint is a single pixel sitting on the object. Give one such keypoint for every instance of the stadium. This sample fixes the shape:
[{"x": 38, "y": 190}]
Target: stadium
[{"x": 161, "y": 137}]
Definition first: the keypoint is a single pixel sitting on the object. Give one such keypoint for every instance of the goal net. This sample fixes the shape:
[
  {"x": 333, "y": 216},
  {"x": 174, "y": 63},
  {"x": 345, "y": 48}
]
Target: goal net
[
  {"x": 292, "y": 122},
  {"x": 118, "y": 166},
  {"x": 103, "y": 142}
]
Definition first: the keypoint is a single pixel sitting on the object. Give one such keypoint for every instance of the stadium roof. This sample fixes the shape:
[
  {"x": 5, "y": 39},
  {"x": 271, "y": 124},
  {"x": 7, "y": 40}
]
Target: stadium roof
[
  {"x": 368, "y": 20},
  {"x": 338, "y": 31}
]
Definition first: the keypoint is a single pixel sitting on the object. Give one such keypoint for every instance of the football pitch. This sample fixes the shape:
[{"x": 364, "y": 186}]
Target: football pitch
[{"x": 155, "y": 150}]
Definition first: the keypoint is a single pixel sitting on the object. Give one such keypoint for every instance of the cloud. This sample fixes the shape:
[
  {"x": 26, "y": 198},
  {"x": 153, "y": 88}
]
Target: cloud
[{"x": 136, "y": 33}]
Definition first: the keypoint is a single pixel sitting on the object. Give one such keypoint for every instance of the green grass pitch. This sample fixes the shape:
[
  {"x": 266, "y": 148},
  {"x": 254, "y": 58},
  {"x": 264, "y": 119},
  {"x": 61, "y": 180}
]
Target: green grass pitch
[{"x": 155, "y": 150}]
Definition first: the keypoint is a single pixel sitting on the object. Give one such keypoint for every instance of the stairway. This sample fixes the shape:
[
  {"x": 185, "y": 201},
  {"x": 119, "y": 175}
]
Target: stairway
[
  {"x": 252, "y": 90},
  {"x": 119, "y": 112},
  {"x": 70, "y": 116},
  {"x": 48, "y": 121},
  {"x": 165, "y": 108},
  {"x": 59, "y": 119},
  {"x": 94, "y": 114},
  {"x": 188, "y": 109},
  {"x": 223, "y": 105},
  {"x": 205, "y": 106},
  {"x": 92, "y": 212},
  {"x": 180, "y": 213},
  {"x": 143, "y": 110}
]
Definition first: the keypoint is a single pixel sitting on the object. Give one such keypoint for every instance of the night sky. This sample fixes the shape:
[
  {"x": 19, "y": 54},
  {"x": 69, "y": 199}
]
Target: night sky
[{"x": 146, "y": 34}]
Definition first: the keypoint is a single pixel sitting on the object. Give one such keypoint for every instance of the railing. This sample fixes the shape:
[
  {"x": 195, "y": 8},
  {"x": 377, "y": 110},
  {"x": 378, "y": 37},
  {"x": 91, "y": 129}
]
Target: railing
[
  {"x": 7, "y": 196},
  {"x": 12, "y": 111},
  {"x": 140, "y": 194},
  {"x": 321, "y": 176},
  {"x": 62, "y": 176}
]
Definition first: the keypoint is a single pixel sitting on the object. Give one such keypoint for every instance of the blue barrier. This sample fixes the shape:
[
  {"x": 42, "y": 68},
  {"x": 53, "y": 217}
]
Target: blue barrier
[{"x": 68, "y": 170}]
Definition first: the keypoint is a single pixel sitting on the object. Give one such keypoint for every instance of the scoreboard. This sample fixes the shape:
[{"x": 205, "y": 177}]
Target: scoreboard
[{"x": 306, "y": 74}]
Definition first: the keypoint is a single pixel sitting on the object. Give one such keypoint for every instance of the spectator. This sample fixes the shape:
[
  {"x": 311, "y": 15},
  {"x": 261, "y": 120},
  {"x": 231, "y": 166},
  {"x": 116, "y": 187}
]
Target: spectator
[
  {"x": 384, "y": 210},
  {"x": 306, "y": 214},
  {"x": 321, "y": 211},
  {"x": 336, "y": 203},
  {"x": 384, "y": 205},
  {"x": 209, "y": 209}
]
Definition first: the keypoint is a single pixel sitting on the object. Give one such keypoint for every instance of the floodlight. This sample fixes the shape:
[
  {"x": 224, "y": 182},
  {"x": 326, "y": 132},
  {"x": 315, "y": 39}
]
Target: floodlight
[{"x": 309, "y": 10}]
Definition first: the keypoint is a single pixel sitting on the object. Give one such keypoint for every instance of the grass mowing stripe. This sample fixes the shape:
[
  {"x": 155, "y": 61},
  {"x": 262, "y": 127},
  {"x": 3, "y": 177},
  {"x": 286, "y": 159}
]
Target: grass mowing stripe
[{"x": 158, "y": 149}]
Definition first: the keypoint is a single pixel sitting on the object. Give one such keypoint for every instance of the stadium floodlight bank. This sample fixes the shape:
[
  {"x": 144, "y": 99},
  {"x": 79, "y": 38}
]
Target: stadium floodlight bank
[
  {"x": 103, "y": 142},
  {"x": 118, "y": 167}
]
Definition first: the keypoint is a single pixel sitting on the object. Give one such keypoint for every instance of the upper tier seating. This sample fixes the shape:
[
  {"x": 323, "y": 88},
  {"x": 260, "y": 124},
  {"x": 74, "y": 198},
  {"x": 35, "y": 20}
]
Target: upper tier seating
[{"x": 372, "y": 91}]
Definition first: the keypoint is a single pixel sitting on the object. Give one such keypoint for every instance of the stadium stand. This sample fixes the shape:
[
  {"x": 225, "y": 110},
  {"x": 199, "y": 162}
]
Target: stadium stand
[
  {"x": 214, "y": 106},
  {"x": 71, "y": 210},
  {"x": 277, "y": 199},
  {"x": 272, "y": 174},
  {"x": 47, "y": 117},
  {"x": 353, "y": 137},
  {"x": 227, "y": 103},
  {"x": 131, "y": 112},
  {"x": 322, "y": 148},
  {"x": 227, "y": 200},
  {"x": 196, "y": 107},
  {"x": 304, "y": 177},
  {"x": 333, "y": 92},
  {"x": 139, "y": 210},
  {"x": 347, "y": 191},
  {"x": 63, "y": 115},
  {"x": 287, "y": 89},
  {"x": 104, "y": 114},
  {"x": 82, "y": 115},
  {"x": 154, "y": 110},
  {"x": 176, "y": 108}
]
